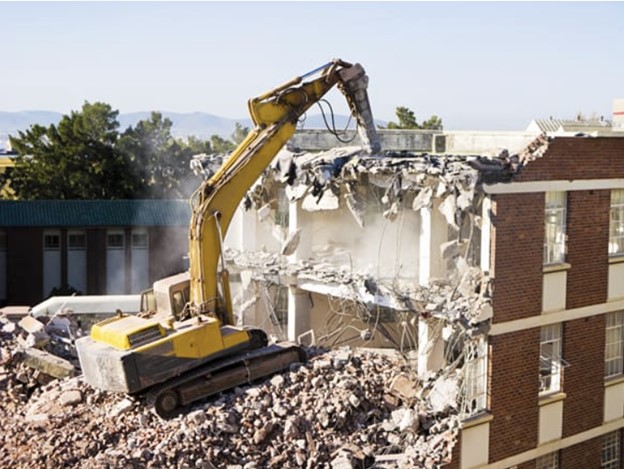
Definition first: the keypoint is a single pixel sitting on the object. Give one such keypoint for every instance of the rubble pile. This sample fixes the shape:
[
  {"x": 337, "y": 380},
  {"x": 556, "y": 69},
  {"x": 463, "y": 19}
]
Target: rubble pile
[{"x": 342, "y": 409}]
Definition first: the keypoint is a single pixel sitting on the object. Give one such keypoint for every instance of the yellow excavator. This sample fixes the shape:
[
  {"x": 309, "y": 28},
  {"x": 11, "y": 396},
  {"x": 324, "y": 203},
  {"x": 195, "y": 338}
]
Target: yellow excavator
[{"x": 184, "y": 346}]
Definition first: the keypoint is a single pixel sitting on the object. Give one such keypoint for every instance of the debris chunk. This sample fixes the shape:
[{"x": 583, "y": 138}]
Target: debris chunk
[{"x": 47, "y": 363}]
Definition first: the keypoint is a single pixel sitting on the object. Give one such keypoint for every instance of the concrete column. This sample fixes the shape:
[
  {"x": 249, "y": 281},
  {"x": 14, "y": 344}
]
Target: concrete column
[
  {"x": 298, "y": 302},
  {"x": 424, "y": 262},
  {"x": 430, "y": 347},
  {"x": 298, "y": 313},
  {"x": 486, "y": 234}
]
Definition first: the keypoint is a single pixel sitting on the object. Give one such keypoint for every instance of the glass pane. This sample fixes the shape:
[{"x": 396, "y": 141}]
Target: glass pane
[
  {"x": 51, "y": 241},
  {"x": 617, "y": 196},
  {"x": 115, "y": 240},
  {"x": 77, "y": 241},
  {"x": 139, "y": 240},
  {"x": 555, "y": 199}
]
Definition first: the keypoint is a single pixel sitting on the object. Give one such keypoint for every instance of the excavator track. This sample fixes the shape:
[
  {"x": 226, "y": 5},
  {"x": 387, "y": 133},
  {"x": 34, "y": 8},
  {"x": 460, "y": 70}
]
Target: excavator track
[{"x": 168, "y": 398}]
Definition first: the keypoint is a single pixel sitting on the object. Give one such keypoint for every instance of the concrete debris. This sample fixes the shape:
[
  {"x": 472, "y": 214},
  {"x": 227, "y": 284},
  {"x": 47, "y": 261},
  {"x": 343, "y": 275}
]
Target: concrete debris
[
  {"x": 444, "y": 393},
  {"x": 47, "y": 363},
  {"x": 355, "y": 206},
  {"x": 290, "y": 244},
  {"x": 330, "y": 412},
  {"x": 35, "y": 333},
  {"x": 70, "y": 398},
  {"x": 448, "y": 208},
  {"x": 441, "y": 298},
  {"x": 423, "y": 199}
]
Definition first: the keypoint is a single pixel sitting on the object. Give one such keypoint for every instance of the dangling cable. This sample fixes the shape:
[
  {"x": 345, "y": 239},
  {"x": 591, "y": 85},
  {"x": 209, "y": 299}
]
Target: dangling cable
[{"x": 332, "y": 128}]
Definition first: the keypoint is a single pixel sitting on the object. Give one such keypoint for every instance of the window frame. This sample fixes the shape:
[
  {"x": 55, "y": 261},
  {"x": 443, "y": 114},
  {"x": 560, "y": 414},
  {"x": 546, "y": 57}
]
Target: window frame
[
  {"x": 550, "y": 383},
  {"x": 48, "y": 236},
  {"x": 548, "y": 461},
  {"x": 73, "y": 236},
  {"x": 616, "y": 223},
  {"x": 139, "y": 239},
  {"x": 555, "y": 226},
  {"x": 612, "y": 449},
  {"x": 614, "y": 345},
  {"x": 475, "y": 383},
  {"x": 117, "y": 236}
]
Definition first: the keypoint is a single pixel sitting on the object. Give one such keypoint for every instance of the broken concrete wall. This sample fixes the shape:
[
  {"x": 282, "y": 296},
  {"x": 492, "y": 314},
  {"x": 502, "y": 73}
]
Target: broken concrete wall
[
  {"x": 391, "y": 139},
  {"x": 486, "y": 142},
  {"x": 254, "y": 231},
  {"x": 381, "y": 248}
]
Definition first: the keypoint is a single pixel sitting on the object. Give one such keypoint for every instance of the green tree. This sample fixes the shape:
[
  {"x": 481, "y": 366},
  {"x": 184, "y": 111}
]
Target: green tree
[
  {"x": 434, "y": 122},
  {"x": 76, "y": 159},
  {"x": 407, "y": 120},
  {"x": 196, "y": 145},
  {"x": 159, "y": 163},
  {"x": 221, "y": 145},
  {"x": 239, "y": 134}
]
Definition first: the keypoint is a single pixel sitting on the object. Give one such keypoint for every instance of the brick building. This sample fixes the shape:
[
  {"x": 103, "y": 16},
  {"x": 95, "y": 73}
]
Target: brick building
[
  {"x": 544, "y": 384},
  {"x": 557, "y": 259},
  {"x": 93, "y": 246}
]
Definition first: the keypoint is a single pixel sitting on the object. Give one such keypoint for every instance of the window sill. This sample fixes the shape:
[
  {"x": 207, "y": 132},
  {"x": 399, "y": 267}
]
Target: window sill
[
  {"x": 613, "y": 381},
  {"x": 616, "y": 259},
  {"x": 475, "y": 420},
  {"x": 556, "y": 267},
  {"x": 551, "y": 398}
]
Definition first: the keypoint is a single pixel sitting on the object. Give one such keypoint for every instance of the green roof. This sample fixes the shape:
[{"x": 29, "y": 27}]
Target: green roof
[{"x": 94, "y": 213}]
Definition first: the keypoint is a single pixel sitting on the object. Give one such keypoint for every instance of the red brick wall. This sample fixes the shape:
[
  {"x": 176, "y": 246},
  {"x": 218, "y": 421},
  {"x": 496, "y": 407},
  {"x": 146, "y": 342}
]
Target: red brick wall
[
  {"x": 583, "y": 380},
  {"x": 577, "y": 158},
  {"x": 455, "y": 455},
  {"x": 588, "y": 238},
  {"x": 584, "y": 339},
  {"x": 582, "y": 456},
  {"x": 517, "y": 255},
  {"x": 527, "y": 465},
  {"x": 514, "y": 393}
]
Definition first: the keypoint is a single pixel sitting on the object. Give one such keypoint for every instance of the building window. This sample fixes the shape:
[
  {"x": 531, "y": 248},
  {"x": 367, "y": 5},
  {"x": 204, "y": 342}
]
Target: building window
[
  {"x": 51, "y": 242},
  {"x": 115, "y": 240},
  {"x": 610, "y": 456},
  {"x": 76, "y": 241},
  {"x": 139, "y": 240},
  {"x": 616, "y": 225},
  {"x": 614, "y": 345},
  {"x": 548, "y": 461},
  {"x": 550, "y": 359},
  {"x": 475, "y": 378},
  {"x": 555, "y": 228}
]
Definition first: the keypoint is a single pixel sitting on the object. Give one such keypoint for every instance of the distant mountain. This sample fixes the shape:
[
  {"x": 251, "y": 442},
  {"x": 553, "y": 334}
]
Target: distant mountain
[{"x": 199, "y": 124}]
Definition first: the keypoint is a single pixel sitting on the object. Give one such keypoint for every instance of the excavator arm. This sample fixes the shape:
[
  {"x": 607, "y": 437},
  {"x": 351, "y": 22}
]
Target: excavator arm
[
  {"x": 275, "y": 115},
  {"x": 175, "y": 359}
]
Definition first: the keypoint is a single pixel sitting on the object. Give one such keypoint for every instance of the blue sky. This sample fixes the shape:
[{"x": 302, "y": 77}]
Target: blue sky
[{"x": 483, "y": 65}]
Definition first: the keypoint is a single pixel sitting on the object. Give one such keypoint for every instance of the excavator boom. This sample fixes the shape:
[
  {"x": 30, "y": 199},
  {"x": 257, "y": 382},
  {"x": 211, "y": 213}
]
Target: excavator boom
[
  {"x": 275, "y": 115},
  {"x": 189, "y": 347}
]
